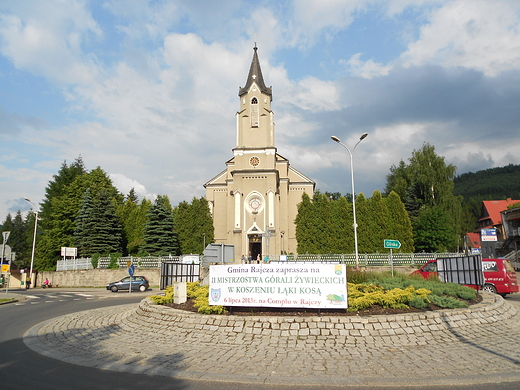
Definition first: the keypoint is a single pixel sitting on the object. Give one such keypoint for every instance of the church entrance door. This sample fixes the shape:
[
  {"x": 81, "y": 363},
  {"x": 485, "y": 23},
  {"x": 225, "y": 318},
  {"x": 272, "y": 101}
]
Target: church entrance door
[{"x": 255, "y": 246}]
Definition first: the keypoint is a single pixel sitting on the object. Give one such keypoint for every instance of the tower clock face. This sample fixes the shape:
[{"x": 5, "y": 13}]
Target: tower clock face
[{"x": 254, "y": 161}]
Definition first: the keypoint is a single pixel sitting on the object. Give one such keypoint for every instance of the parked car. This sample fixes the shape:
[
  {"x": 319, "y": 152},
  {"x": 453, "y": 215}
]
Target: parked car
[
  {"x": 499, "y": 275},
  {"x": 138, "y": 283}
]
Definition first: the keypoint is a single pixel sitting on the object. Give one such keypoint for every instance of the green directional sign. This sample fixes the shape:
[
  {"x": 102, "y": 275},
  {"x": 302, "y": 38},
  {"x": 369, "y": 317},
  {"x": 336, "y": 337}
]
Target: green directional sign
[{"x": 392, "y": 244}]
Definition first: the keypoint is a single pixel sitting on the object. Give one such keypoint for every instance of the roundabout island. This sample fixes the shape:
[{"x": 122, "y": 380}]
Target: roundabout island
[{"x": 474, "y": 345}]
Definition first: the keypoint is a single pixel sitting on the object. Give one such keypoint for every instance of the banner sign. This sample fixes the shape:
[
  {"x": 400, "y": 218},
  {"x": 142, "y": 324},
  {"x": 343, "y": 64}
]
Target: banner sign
[
  {"x": 488, "y": 234},
  {"x": 69, "y": 252},
  {"x": 320, "y": 286}
]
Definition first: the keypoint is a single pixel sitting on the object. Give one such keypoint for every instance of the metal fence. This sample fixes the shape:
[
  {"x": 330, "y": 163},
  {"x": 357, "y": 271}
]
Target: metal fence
[
  {"x": 365, "y": 260},
  {"x": 178, "y": 272},
  {"x": 122, "y": 262},
  {"x": 74, "y": 264}
]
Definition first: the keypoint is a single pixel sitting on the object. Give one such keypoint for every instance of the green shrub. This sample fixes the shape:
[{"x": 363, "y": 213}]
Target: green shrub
[
  {"x": 163, "y": 299},
  {"x": 419, "y": 302},
  {"x": 447, "y": 302},
  {"x": 95, "y": 260},
  {"x": 114, "y": 257},
  {"x": 200, "y": 294},
  {"x": 362, "y": 297}
]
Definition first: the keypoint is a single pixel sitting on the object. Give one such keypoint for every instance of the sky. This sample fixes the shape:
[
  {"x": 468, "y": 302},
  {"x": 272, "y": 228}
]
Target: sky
[{"x": 148, "y": 90}]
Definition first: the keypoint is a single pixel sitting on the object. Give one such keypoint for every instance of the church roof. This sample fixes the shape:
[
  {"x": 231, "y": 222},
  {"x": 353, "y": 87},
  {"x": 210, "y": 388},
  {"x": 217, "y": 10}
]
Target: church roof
[{"x": 255, "y": 76}]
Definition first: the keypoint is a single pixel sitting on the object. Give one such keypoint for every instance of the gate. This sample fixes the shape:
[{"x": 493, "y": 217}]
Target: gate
[
  {"x": 178, "y": 272},
  {"x": 465, "y": 270}
]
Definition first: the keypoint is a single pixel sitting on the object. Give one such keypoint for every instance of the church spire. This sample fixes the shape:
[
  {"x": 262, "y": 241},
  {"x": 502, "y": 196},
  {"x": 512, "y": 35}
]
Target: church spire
[{"x": 255, "y": 76}]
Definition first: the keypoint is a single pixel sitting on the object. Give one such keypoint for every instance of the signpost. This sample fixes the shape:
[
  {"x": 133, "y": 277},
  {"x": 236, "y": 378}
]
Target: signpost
[
  {"x": 5, "y": 236},
  {"x": 392, "y": 244},
  {"x": 131, "y": 270}
]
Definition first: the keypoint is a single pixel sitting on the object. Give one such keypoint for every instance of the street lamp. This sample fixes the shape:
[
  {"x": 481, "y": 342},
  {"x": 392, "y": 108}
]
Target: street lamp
[
  {"x": 34, "y": 241},
  {"x": 336, "y": 139}
]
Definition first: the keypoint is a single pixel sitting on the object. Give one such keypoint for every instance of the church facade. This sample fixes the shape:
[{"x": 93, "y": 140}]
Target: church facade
[{"x": 254, "y": 200}]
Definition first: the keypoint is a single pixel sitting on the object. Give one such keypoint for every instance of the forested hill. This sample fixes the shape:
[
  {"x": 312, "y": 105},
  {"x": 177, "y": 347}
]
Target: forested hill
[{"x": 490, "y": 184}]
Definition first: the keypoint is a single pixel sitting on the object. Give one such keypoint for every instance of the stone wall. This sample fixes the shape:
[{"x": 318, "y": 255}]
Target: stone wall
[
  {"x": 101, "y": 277},
  {"x": 95, "y": 277}
]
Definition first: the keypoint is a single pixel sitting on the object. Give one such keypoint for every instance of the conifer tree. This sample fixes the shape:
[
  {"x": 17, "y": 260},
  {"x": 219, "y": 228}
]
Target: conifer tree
[
  {"x": 365, "y": 222},
  {"x": 305, "y": 226},
  {"x": 380, "y": 217},
  {"x": 64, "y": 205},
  {"x": 83, "y": 229},
  {"x": 400, "y": 224},
  {"x": 132, "y": 217},
  {"x": 343, "y": 239},
  {"x": 135, "y": 225},
  {"x": 324, "y": 227},
  {"x": 160, "y": 238},
  {"x": 104, "y": 226}
]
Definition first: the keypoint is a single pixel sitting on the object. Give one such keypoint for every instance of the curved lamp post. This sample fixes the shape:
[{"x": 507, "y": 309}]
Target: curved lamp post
[
  {"x": 336, "y": 139},
  {"x": 34, "y": 241}
]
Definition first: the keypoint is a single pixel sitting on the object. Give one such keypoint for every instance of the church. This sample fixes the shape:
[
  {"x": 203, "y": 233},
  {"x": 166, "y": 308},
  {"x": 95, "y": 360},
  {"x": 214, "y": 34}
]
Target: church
[{"x": 254, "y": 200}]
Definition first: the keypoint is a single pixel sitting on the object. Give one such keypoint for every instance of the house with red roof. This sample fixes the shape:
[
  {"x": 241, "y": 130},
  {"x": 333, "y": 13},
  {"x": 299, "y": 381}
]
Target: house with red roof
[{"x": 491, "y": 225}]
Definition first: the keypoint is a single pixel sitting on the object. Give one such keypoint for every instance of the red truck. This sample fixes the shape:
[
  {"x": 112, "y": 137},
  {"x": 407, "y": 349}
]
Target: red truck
[{"x": 499, "y": 275}]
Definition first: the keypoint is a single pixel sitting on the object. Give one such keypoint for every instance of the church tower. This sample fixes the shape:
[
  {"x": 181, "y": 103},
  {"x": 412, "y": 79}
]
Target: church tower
[{"x": 254, "y": 201}]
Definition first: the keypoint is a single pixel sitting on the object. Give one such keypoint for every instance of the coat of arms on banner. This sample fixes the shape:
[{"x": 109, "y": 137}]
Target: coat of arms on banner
[{"x": 215, "y": 294}]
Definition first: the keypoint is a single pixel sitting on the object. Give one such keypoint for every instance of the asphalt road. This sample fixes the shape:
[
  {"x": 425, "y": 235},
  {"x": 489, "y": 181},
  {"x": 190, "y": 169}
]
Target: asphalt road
[{"x": 22, "y": 368}]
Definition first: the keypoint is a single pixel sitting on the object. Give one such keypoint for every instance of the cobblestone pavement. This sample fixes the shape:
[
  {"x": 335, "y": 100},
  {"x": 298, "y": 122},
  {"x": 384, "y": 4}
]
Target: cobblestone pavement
[{"x": 124, "y": 339}]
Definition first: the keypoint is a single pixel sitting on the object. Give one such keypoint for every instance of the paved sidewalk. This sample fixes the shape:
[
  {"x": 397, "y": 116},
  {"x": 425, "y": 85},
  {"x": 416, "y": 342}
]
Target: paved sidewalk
[{"x": 122, "y": 339}]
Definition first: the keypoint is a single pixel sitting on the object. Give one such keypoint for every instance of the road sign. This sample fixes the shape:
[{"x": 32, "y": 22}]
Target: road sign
[
  {"x": 392, "y": 244},
  {"x": 131, "y": 270},
  {"x": 5, "y": 236}
]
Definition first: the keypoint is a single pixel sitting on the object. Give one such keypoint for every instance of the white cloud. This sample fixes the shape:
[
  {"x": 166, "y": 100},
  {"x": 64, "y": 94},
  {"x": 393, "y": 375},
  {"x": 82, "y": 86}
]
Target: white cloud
[
  {"x": 124, "y": 184},
  {"x": 315, "y": 18},
  {"x": 48, "y": 40},
  {"x": 367, "y": 69},
  {"x": 478, "y": 34}
]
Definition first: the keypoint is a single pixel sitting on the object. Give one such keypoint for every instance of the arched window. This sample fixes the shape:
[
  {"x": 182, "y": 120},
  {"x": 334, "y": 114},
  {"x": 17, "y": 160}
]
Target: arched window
[{"x": 254, "y": 112}]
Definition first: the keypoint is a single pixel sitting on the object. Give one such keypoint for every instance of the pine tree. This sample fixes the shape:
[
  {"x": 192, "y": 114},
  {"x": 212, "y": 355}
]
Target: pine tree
[
  {"x": 159, "y": 234},
  {"x": 83, "y": 229},
  {"x": 104, "y": 226},
  {"x": 127, "y": 213},
  {"x": 63, "y": 208}
]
